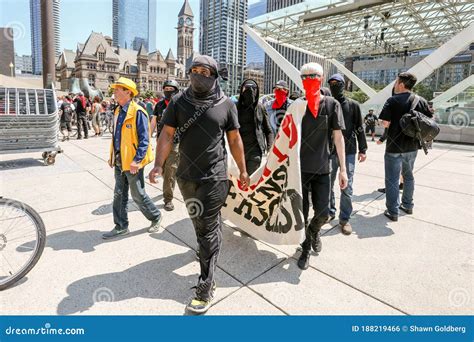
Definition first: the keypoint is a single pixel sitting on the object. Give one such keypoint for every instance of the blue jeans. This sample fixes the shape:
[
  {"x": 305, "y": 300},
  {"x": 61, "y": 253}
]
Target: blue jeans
[
  {"x": 396, "y": 163},
  {"x": 346, "y": 194},
  {"x": 136, "y": 183}
]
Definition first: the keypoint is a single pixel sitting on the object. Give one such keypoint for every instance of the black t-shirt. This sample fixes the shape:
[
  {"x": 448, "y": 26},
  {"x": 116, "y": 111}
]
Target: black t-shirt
[
  {"x": 316, "y": 136},
  {"x": 392, "y": 111},
  {"x": 370, "y": 119},
  {"x": 66, "y": 109},
  {"x": 203, "y": 156},
  {"x": 247, "y": 130}
]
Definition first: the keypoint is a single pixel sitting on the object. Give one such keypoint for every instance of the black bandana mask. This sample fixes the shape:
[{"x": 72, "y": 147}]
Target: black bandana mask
[
  {"x": 337, "y": 90},
  {"x": 169, "y": 93},
  {"x": 201, "y": 84},
  {"x": 249, "y": 97}
]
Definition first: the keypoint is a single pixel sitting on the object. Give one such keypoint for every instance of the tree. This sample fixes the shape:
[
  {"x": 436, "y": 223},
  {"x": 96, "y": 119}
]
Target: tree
[
  {"x": 424, "y": 91},
  {"x": 147, "y": 94},
  {"x": 357, "y": 95}
]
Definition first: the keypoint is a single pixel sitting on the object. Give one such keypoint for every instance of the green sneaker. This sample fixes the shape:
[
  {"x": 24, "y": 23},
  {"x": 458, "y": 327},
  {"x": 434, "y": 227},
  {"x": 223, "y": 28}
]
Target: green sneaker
[
  {"x": 116, "y": 232},
  {"x": 198, "y": 304},
  {"x": 155, "y": 225}
]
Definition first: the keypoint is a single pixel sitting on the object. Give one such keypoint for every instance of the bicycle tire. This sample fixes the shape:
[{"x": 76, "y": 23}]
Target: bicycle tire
[{"x": 41, "y": 237}]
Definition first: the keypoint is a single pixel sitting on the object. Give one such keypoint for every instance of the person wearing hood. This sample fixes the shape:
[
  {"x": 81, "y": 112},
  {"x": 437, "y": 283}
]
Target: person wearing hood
[
  {"x": 203, "y": 116},
  {"x": 354, "y": 138},
  {"x": 321, "y": 128},
  {"x": 170, "y": 88},
  {"x": 257, "y": 136},
  {"x": 276, "y": 108},
  {"x": 80, "y": 103}
]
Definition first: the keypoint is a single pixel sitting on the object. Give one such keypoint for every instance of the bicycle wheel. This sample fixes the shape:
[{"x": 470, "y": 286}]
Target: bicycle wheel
[{"x": 22, "y": 240}]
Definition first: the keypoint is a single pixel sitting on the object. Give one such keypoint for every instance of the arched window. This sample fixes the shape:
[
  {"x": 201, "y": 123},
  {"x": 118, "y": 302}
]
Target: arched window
[
  {"x": 111, "y": 79},
  {"x": 127, "y": 69}
]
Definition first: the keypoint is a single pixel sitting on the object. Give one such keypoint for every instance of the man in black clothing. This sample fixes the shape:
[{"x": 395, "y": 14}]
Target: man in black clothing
[
  {"x": 170, "y": 88},
  {"x": 81, "y": 114},
  {"x": 401, "y": 150},
  {"x": 370, "y": 121},
  {"x": 320, "y": 129},
  {"x": 257, "y": 135},
  {"x": 203, "y": 116},
  {"x": 353, "y": 130},
  {"x": 66, "y": 117},
  {"x": 276, "y": 108}
]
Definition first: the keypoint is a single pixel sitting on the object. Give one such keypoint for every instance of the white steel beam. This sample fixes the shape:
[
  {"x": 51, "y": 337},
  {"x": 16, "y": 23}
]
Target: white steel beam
[
  {"x": 453, "y": 91},
  {"x": 288, "y": 68},
  {"x": 436, "y": 59}
]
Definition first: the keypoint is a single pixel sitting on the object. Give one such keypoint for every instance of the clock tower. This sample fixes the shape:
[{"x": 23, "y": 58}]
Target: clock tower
[{"x": 185, "y": 33}]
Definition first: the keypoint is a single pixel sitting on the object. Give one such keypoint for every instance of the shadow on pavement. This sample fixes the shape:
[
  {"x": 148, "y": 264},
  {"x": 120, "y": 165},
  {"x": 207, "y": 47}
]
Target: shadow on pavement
[
  {"x": 108, "y": 208},
  {"x": 21, "y": 163}
]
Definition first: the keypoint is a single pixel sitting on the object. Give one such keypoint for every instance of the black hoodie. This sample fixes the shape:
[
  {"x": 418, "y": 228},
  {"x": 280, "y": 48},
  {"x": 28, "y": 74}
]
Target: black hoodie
[{"x": 255, "y": 129}]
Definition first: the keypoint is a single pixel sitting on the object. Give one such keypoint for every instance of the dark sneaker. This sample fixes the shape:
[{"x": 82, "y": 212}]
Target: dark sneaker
[
  {"x": 390, "y": 216},
  {"x": 79, "y": 138},
  {"x": 198, "y": 304},
  {"x": 303, "y": 261},
  {"x": 406, "y": 210},
  {"x": 346, "y": 227},
  {"x": 316, "y": 242},
  {"x": 155, "y": 225},
  {"x": 169, "y": 206},
  {"x": 116, "y": 232},
  {"x": 382, "y": 190}
]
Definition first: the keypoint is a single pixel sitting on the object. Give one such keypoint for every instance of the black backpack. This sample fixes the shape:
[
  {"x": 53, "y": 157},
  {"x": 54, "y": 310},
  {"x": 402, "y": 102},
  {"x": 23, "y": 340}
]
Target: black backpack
[{"x": 417, "y": 125}]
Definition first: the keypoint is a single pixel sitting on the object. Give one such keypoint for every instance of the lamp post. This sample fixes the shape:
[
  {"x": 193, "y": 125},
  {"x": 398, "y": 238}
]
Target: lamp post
[{"x": 11, "y": 68}]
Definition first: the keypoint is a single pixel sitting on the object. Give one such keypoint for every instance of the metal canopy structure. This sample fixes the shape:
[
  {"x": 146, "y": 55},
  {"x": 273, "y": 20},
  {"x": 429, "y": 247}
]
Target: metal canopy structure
[{"x": 343, "y": 29}]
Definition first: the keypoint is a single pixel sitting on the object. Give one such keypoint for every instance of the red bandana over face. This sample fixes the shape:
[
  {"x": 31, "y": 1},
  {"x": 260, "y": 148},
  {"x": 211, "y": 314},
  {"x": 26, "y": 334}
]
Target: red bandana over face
[
  {"x": 280, "y": 98},
  {"x": 313, "y": 94}
]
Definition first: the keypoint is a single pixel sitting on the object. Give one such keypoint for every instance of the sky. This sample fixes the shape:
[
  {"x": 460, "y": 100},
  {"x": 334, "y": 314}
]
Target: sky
[{"x": 80, "y": 17}]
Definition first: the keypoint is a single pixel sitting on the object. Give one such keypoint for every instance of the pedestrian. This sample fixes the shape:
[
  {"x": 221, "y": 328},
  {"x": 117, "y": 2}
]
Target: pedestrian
[
  {"x": 96, "y": 109},
  {"x": 277, "y": 107},
  {"x": 170, "y": 88},
  {"x": 81, "y": 115},
  {"x": 321, "y": 128},
  {"x": 255, "y": 131},
  {"x": 371, "y": 121},
  {"x": 354, "y": 138},
  {"x": 401, "y": 150},
  {"x": 204, "y": 116},
  {"x": 66, "y": 112},
  {"x": 130, "y": 152}
]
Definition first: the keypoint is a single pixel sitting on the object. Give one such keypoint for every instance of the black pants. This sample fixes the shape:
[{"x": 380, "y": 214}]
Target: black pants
[
  {"x": 253, "y": 159},
  {"x": 82, "y": 124},
  {"x": 319, "y": 186},
  {"x": 204, "y": 202}
]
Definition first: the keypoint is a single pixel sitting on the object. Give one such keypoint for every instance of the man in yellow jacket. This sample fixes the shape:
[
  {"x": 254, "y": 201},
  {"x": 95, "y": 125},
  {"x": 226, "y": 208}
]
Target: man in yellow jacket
[{"x": 130, "y": 152}]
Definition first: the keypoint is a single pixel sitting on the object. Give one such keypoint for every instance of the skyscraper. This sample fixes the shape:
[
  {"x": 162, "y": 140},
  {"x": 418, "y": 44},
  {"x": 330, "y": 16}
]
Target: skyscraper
[
  {"x": 36, "y": 45},
  {"x": 7, "y": 54},
  {"x": 185, "y": 33},
  {"x": 273, "y": 73},
  {"x": 134, "y": 24},
  {"x": 222, "y": 37},
  {"x": 255, "y": 54}
]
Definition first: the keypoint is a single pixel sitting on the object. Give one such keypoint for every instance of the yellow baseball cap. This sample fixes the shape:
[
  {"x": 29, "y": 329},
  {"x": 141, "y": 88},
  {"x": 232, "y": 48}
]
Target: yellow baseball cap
[{"x": 127, "y": 84}]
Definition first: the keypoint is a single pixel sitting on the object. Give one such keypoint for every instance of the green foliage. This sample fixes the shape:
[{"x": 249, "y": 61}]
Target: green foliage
[
  {"x": 424, "y": 91},
  {"x": 357, "y": 95},
  {"x": 147, "y": 94}
]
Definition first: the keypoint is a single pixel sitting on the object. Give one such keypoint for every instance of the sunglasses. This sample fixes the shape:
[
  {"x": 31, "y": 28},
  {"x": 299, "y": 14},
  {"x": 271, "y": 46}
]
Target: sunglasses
[{"x": 310, "y": 76}]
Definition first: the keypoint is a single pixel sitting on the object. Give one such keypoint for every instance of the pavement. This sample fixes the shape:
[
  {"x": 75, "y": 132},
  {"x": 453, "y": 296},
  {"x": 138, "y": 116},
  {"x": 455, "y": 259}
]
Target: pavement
[{"x": 421, "y": 265}]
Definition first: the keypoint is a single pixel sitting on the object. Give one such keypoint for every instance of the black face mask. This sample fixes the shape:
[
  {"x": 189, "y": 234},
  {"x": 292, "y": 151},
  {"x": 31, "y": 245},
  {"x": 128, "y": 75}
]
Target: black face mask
[
  {"x": 337, "y": 90},
  {"x": 201, "y": 84},
  {"x": 169, "y": 93},
  {"x": 248, "y": 96}
]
